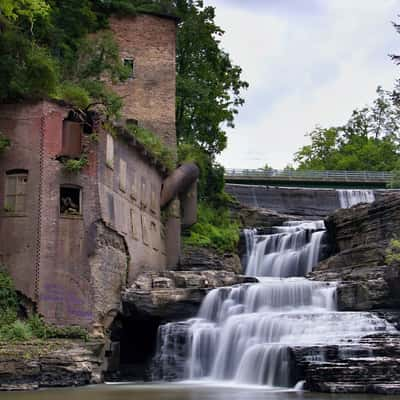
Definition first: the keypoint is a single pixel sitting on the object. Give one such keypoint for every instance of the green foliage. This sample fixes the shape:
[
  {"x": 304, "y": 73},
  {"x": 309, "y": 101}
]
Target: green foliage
[
  {"x": 5, "y": 143},
  {"x": 26, "y": 69},
  {"x": 369, "y": 140},
  {"x": 215, "y": 229},
  {"x": 154, "y": 146},
  {"x": 395, "y": 181},
  {"x": 211, "y": 181},
  {"x": 16, "y": 331},
  {"x": 208, "y": 84},
  {"x": 393, "y": 252},
  {"x": 8, "y": 299},
  {"x": 74, "y": 166},
  {"x": 30, "y": 9},
  {"x": 74, "y": 94},
  {"x": 41, "y": 330}
]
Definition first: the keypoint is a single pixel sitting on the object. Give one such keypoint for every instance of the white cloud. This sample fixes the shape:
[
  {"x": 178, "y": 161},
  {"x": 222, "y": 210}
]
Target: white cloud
[{"x": 303, "y": 70}]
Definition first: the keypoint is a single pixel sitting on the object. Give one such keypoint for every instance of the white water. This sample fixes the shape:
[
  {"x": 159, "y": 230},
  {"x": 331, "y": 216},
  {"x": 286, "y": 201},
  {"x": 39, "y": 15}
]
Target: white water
[
  {"x": 292, "y": 251},
  {"x": 244, "y": 334},
  {"x": 349, "y": 198}
]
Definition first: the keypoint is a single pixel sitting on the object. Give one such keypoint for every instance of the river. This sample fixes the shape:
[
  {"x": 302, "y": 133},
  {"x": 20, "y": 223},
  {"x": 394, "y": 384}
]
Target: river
[{"x": 178, "y": 392}]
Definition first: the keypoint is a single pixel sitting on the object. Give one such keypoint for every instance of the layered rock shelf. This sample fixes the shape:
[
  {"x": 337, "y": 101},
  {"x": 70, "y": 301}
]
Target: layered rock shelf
[{"x": 51, "y": 363}]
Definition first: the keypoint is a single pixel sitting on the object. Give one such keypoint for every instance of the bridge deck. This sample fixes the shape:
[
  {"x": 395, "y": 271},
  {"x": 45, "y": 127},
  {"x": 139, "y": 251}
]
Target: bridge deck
[{"x": 355, "y": 179}]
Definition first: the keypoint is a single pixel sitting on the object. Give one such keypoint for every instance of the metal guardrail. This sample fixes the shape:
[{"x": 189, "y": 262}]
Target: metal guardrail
[{"x": 306, "y": 175}]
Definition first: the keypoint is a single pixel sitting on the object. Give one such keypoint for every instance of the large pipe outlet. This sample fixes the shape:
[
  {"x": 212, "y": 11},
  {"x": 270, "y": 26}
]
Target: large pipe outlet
[{"x": 179, "y": 182}]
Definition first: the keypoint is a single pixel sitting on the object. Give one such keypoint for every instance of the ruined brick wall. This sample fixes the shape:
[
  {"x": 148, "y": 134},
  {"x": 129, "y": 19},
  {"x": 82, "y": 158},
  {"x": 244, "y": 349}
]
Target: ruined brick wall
[
  {"x": 19, "y": 231},
  {"x": 129, "y": 190},
  {"x": 149, "y": 96},
  {"x": 65, "y": 287}
]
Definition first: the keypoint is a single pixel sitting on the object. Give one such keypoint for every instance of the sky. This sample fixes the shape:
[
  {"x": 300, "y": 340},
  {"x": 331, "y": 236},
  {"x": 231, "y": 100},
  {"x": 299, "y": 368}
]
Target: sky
[{"x": 308, "y": 63}]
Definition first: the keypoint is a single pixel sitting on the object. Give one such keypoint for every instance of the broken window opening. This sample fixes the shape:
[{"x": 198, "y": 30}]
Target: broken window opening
[
  {"x": 15, "y": 193},
  {"x": 71, "y": 138},
  {"x": 129, "y": 64},
  {"x": 70, "y": 200}
]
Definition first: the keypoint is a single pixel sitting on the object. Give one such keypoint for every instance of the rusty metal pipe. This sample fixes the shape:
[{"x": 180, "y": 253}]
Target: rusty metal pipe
[{"x": 178, "y": 182}]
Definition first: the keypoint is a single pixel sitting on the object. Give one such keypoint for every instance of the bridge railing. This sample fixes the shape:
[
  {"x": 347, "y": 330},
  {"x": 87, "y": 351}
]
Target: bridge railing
[{"x": 337, "y": 176}]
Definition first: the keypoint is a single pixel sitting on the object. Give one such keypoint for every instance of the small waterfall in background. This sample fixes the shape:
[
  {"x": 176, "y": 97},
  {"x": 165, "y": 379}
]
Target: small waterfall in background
[
  {"x": 244, "y": 334},
  {"x": 349, "y": 198}
]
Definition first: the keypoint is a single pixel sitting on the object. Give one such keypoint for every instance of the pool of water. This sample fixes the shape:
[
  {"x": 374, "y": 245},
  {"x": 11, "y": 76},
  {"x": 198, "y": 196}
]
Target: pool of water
[{"x": 179, "y": 391}]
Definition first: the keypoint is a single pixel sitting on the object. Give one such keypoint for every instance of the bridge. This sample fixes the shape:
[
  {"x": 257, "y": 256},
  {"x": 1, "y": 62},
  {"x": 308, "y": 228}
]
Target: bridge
[{"x": 307, "y": 178}]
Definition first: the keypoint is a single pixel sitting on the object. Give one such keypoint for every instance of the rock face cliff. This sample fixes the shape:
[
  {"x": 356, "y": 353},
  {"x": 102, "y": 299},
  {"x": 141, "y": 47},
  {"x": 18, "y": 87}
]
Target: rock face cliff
[{"x": 359, "y": 238}]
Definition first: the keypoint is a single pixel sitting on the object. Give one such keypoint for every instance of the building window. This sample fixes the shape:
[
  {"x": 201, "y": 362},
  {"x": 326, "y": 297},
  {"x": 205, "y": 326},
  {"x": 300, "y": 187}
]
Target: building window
[
  {"x": 110, "y": 151},
  {"x": 71, "y": 138},
  {"x": 16, "y": 184},
  {"x": 129, "y": 64},
  {"x": 70, "y": 200},
  {"x": 122, "y": 175}
]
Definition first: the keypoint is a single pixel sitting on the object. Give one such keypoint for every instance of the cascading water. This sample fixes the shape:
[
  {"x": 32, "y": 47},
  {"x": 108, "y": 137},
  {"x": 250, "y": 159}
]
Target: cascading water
[
  {"x": 291, "y": 250},
  {"x": 349, "y": 198},
  {"x": 245, "y": 333}
]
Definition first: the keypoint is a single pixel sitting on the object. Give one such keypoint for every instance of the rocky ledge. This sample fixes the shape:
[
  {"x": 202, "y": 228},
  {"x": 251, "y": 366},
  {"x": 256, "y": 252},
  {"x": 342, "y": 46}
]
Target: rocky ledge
[
  {"x": 370, "y": 366},
  {"x": 174, "y": 295},
  {"x": 53, "y": 363}
]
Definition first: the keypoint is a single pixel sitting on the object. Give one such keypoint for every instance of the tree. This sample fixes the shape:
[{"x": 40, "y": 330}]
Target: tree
[
  {"x": 31, "y": 9},
  {"x": 208, "y": 84},
  {"x": 368, "y": 141}
]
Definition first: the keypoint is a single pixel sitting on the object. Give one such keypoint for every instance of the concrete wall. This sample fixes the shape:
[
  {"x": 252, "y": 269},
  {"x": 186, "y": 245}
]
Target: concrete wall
[
  {"x": 149, "y": 96},
  {"x": 305, "y": 202},
  {"x": 314, "y": 203}
]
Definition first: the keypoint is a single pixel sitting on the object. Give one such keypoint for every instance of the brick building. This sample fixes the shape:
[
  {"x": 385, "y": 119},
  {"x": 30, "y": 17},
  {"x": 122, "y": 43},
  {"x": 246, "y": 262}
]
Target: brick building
[{"x": 72, "y": 242}]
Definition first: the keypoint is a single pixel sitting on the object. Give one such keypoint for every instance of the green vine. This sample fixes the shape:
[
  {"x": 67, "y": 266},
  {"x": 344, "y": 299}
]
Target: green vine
[{"x": 74, "y": 166}]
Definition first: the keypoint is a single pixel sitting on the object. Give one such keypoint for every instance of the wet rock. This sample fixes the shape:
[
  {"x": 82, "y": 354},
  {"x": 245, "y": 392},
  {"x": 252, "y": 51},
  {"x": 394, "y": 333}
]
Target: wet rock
[{"x": 370, "y": 366}]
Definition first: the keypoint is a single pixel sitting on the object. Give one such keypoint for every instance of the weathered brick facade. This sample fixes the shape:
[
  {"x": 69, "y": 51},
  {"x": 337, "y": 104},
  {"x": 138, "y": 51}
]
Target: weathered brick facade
[
  {"x": 149, "y": 96},
  {"x": 73, "y": 264}
]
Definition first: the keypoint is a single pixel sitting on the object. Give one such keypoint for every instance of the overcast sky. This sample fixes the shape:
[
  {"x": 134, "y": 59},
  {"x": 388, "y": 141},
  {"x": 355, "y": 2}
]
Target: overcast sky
[{"x": 308, "y": 63}]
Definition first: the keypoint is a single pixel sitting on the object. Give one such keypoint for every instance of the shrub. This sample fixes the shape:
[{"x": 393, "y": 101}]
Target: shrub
[
  {"x": 154, "y": 145},
  {"x": 393, "y": 252},
  {"x": 215, "y": 228},
  {"x": 74, "y": 166},
  {"x": 74, "y": 94},
  {"x": 16, "y": 331},
  {"x": 8, "y": 299},
  {"x": 42, "y": 330}
]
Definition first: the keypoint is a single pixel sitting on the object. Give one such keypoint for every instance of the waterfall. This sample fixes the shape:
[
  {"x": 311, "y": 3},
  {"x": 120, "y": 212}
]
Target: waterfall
[
  {"x": 292, "y": 251},
  {"x": 245, "y": 334},
  {"x": 349, "y": 198}
]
